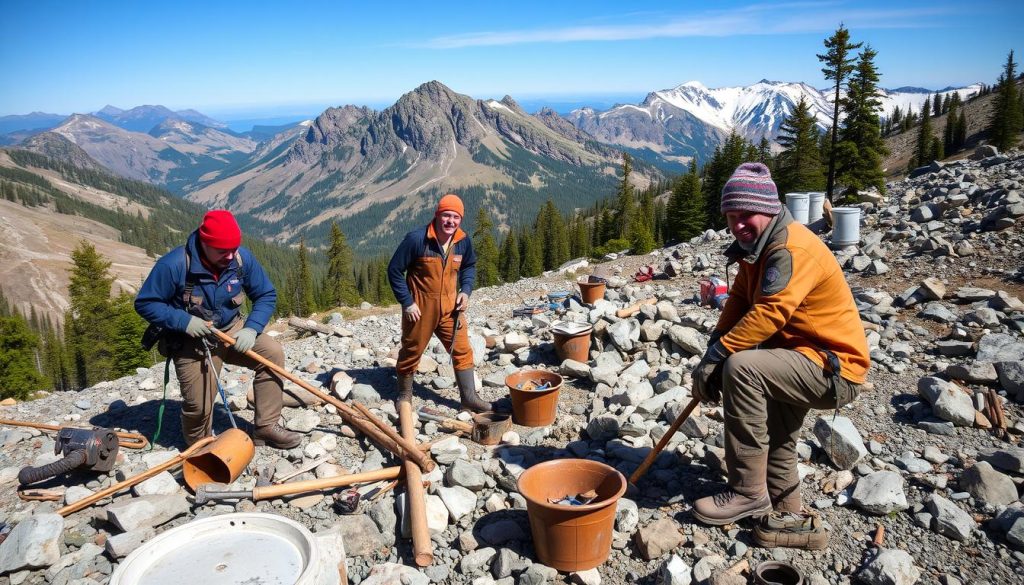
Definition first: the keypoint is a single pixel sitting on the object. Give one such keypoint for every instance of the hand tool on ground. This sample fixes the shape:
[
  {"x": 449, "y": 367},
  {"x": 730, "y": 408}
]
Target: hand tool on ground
[
  {"x": 303, "y": 469},
  {"x": 405, "y": 449},
  {"x": 415, "y": 495},
  {"x": 447, "y": 369},
  {"x": 41, "y": 495},
  {"x": 646, "y": 464},
  {"x": 634, "y": 308},
  {"x": 211, "y": 492},
  {"x": 487, "y": 428},
  {"x": 91, "y": 449},
  {"x": 126, "y": 440},
  {"x": 86, "y": 502}
]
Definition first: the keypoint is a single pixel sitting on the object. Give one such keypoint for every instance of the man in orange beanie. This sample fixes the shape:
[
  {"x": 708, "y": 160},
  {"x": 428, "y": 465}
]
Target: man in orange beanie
[
  {"x": 201, "y": 285},
  {"x": 432, "y": 274}
]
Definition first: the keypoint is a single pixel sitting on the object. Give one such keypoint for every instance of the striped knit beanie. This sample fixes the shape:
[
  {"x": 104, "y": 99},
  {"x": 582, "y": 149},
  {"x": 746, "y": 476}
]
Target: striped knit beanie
[{"x": 750, "y": 188}]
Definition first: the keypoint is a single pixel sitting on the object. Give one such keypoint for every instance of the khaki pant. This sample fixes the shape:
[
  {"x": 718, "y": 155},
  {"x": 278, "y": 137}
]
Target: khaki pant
[
  {"x": 199, "y": 385},
  {"x": 766, "y": 393}
]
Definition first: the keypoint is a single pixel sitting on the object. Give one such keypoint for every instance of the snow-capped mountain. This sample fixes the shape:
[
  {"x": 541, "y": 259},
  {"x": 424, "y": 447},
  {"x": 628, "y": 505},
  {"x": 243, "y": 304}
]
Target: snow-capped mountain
[{"x": 691, "y": 120}]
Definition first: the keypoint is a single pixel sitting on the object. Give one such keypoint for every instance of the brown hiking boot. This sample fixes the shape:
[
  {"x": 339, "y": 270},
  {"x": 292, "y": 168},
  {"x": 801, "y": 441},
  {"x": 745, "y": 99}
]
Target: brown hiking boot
[
  {"x": 276, "y": 436},
  {"x": 404, "y": 387},
  {"x": 730, "y": 506},
  {"x": 792, "y": 530},
  {"x": 468, "y": 397}
]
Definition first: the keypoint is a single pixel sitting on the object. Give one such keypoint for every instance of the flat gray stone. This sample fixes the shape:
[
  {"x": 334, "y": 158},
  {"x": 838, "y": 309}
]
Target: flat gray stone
[
  {"x": 1011, "y": 378},
  {"x": 477, "y": 562},
  {"x": 574, "y": 369},
  {"x": 603, "y": 427},
  {"x": 688, "y": 338},
  {"x": 658, "y": 538},
  {"x": 627, "y": 516},
  {"x": 1007, "y": 458},
  {"x": 973, "y": 372},
  {"x": 880, "y": 493},
  {"x": 459, "y": 501},
  {"x": 467, "y": 474},
  {"x": 161, "y": 484},
  {"x": 950, "y": 520},
  {"x": 33, "y": 544},
  {"x": 121, "y": 545},
  {"x": 889, "y": 567},
  {"x": 988, "y": 485},
  {"x": 841, "y": 440},
  {"x": 1000, "y": 347},
  {"x": 392, "y": 573},
  {"x": 146, "y": 511},
  {"x": 361, "y": 535}
]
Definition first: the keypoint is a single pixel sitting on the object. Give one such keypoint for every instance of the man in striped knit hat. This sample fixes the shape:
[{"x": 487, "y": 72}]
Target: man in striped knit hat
[{"x": 789, "y": 339}]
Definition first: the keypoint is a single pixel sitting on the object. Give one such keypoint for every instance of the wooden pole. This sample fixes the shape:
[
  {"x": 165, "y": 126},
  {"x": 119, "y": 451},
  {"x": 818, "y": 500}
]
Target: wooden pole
[
  {"x": 86, "y": 502},
  {"x": 269, "y": 492},
  {"x": 634, "y": 308},
  {"x": 404, "y": 449},
  {"x": 640, "y": 471},
  {"x": 415, "y": 496}
]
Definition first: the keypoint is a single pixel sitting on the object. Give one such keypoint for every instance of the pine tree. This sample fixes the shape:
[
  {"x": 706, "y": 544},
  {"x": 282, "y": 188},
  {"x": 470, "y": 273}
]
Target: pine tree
[
  {"x": 960, "y": 132},
  {"x": 685, "y": 217},
  {"x": 838, "y": 65},
  {"x": 508, "y": 259},
  {"x": 91, "y": 317},
  {"x": 340, "y": 285},
  {"x": 486, "y": 251},
  {"x": 937, "y": 104},
  {"x": 861, "y": 146},
  {"x": 384, "y": 294},
  {"x": 624, "y": 199},
  {"x": 299, "y": 289},
  {"x": 1007, "y": 118},
  {"x": 718, "y": 170},
  {"x": 924, "y": 136},
  {"x": 764, "y": 153},
  {"x": 532, "y": 256},
  {"x": 19, "y": 377},
  {"x": 128, "y": 328},
  {"x": 798, "y": 167},
  {"x": 936, "y": 152},
  {"x": 949, "y": 132},
  {"x": 641, "y": 240}
]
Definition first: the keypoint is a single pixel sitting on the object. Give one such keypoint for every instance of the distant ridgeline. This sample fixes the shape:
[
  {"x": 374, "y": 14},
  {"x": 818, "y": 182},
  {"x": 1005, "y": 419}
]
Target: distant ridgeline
[{"x": 170, "y": 218}]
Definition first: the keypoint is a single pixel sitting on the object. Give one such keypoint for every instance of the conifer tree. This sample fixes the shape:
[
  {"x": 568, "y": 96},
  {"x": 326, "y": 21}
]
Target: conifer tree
[
  {"x": 924, "y": 136},
  {"x": 723, "y": 162},
  {"x": 56, "y": 365},
  {"x": 1007, "y": 118},
  {"x": 838, "y": 65},
  {"x": 532, "y": 256},
  {"x": 91, "y": 316},
  {"x": 624, "y": 204},
  {"x": 384, "y": 294},
  {"x": 685, "y": 217},
  {"x": 128, "y": 328},
  {"x": 19, "y": 376},
  {"x": 340, "y": 285},
  {"x": 300, "y": 285},
  {"x": 764, "y": 153},
  {"x": 861, "y": 146},
  {"x": 949, "y": 132},
  {"x": 508, "y": 259},
  {"x": 960, "y": 132},
  {"x": 798, "y": 167},
  {"x": 937, "y": 104},
  {"x": 641, "y": 240},
  {"x": 486, "y": 251}
]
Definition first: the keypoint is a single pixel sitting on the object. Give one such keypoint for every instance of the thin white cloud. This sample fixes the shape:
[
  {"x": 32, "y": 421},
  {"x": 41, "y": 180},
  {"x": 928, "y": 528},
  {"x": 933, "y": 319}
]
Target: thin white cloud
[{"x": 757, "y": 19}]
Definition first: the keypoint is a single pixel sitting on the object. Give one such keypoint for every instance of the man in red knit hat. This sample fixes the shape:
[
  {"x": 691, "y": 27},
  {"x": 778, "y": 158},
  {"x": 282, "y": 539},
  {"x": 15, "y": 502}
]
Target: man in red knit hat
[
  {"x": 432, "y": 274},
  {"x": 201, "y": 285}
]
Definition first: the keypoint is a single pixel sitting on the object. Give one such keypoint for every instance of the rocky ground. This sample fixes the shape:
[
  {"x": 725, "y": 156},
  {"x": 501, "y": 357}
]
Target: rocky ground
[{"x": 938, "y": 280}]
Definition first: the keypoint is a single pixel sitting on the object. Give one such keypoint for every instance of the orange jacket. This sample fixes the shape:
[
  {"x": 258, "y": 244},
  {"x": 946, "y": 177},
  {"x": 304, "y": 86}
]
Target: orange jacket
[{"x": 790, "y": 293}]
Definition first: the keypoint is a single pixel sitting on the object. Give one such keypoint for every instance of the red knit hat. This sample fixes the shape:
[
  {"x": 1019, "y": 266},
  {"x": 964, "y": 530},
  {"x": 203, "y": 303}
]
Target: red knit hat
[
  {"x": 220, "y": 230},
  {"x": 451, "y": 202}
]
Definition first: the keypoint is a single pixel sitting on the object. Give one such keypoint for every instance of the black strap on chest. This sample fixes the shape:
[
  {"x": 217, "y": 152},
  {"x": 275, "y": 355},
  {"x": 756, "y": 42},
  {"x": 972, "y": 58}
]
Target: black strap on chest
[{"x": 190, "y": 284}]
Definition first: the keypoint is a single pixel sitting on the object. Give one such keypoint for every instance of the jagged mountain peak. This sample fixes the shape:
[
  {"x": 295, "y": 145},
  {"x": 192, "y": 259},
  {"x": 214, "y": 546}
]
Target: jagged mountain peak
[{"x": 59, "y": 147}]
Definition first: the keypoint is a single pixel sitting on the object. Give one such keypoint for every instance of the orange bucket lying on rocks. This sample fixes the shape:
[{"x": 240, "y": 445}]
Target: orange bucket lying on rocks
[
  {"x": 572, "y": 505},
  {"x": 534, "y": 396}
]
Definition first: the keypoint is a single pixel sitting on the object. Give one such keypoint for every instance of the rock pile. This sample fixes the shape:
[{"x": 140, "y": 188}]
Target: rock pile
[{"x": 937, "y": 280}]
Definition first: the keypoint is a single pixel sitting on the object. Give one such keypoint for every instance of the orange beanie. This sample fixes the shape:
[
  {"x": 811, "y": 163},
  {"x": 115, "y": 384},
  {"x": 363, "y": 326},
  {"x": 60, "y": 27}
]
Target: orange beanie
[{"x": 451, "y": 202}]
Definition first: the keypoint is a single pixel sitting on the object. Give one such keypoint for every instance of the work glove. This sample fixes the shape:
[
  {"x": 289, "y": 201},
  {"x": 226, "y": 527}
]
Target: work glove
[
  {"x": 245, "y": 339},
  {"x": 198, "y": 328},
  {"x": 706, "y": 385}
]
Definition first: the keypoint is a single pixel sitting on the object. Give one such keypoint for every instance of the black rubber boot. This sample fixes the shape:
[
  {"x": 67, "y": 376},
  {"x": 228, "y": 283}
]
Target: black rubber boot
[
  {"x": 404, "y": 387},
  {"x": 468, "y": 397}
]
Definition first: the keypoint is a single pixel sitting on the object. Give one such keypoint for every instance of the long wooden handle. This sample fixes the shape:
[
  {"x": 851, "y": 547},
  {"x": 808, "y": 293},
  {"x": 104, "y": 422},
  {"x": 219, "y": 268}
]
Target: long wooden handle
[
  {"x": 86, "y": 502},
  {"x": 126, "y": 440},
  {"x": 402, "y": 448},
  {"x": 269, "y": 492},
  {"x": 640, "y": 471},
  {"x": 634, "y": 308},
  {"x": 415, "y": 495}
]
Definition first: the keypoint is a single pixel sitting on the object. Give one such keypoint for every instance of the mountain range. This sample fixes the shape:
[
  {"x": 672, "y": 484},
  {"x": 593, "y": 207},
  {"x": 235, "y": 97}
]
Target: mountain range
[{"x": 378, "y": 172}]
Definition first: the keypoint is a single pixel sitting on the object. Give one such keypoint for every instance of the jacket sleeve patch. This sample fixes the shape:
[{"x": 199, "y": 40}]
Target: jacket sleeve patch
[{"x": 777, "y": 272}]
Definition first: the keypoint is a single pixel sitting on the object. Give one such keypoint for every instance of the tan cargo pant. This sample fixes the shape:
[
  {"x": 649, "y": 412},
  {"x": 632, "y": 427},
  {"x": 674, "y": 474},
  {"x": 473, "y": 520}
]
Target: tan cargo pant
[
  {"x": 765, "y": 394},
  {"x": 199, "y": 385}
]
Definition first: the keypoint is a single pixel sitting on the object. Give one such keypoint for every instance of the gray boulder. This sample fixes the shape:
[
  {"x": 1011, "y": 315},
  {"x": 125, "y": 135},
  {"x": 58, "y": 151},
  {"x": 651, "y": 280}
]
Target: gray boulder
[
  {"x": 889, "y": 567},
  {"x": 880, "y": 493},
  {"x": 950, "y": 520},
  {"x": 988, "y": 485},
  {"x": 841, "y": 440},
  {"x": 33, "y": 544}
]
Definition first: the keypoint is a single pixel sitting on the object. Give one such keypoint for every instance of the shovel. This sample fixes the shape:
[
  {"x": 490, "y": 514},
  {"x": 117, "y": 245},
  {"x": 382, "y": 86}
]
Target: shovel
[
  {"x": 447, "y": 369},
  {"x": 487, "y": 428}
]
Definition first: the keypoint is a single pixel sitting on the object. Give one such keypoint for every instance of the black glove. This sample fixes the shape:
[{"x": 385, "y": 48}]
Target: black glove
[{"x": 707, "y": 378}]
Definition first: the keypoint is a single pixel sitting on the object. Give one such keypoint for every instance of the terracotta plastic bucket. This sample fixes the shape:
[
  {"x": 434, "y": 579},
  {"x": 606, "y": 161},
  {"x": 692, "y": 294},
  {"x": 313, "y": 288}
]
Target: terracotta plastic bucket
[
  {"x": 591, "y": 292},
  {"x": 572, "y": 341},
  {"x": 531, "y": 408},
  {"x": 571, "y": 538},
  {"x": 222, "y": 461}
]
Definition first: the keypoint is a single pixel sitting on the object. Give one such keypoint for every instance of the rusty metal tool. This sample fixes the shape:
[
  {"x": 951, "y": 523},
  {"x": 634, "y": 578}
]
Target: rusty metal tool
[
  {"x": 487, "y": 428},
  {"x": 214, "y": 492}
]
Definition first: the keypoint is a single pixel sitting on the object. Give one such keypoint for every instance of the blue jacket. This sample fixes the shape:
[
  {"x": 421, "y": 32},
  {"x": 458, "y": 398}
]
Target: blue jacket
[
  {"x": 419, "y": 269},
  {"x": 161, "y": 302}
]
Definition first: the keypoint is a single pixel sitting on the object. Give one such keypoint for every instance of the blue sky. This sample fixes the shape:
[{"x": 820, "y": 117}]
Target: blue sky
[{"x": 251, "y": 58}]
